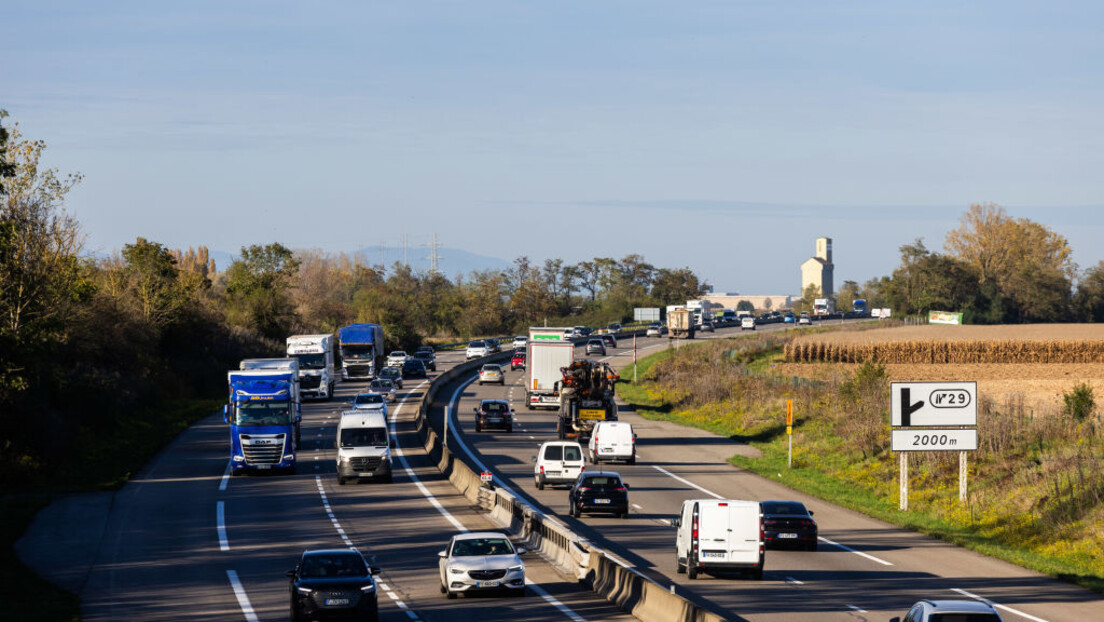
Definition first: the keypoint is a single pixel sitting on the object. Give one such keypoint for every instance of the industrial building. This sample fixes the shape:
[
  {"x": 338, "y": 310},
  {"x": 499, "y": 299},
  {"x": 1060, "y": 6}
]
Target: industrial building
[{"x": 817, "y": 270}]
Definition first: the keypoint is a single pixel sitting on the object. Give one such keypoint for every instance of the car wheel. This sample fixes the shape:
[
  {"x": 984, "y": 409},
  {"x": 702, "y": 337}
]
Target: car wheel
[
  {"x": 812, "y": 546},
  {"x": 624, "y": 514},
  {"x": 540, "y": 483},
  {"x": 519, "y": 593},
  {"x": 340, "y": 481},
  {"x": 757, "y": 574},
  {"x": 295, "y": 615},
  {"x": 510, "y": 428},
  {"x": 450, "y": 594},
  {"x": 478, "y": 428},
  {"x": 390, "y": 478},
  {"x": 680, "y": 568},
  {"x": 632, "y": 460}
]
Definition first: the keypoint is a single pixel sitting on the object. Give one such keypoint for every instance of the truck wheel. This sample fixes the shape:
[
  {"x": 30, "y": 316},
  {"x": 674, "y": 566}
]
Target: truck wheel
[
  {"x": 691, "y": 570},
  {"x": 757, "y": 574},
  {"x": 680, "y": 567},
  {"x": 632, "y": 460},
  {"x": 478, "y": 428},
  {"x": 390, "y": 478},
  {"x": 340, "y": 481},
  {"x": 540, "y": 482},
  {"x": 234, "y": 473}
]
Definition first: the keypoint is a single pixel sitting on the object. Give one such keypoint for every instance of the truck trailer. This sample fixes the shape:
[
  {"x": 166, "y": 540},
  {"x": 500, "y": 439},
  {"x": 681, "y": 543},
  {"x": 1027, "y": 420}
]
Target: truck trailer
[
  {"x": 680, "y": 323},
  {"x": 315, "y": 354},
  {"x": 546, "y": 353},
  {"x": 264, "y": 416},
  {"x": 361, "y": 347}
]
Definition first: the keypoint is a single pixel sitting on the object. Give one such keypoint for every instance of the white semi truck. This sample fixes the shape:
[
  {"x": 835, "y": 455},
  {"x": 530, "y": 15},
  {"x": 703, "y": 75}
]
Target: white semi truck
[
  {"x": 546, "y": 354},
  {"x": 315, "y": 354}
]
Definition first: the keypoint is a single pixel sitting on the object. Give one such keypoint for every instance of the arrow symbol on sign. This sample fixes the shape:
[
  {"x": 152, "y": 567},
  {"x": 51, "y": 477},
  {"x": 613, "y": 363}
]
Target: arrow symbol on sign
[{"x": 906, "y": 408}]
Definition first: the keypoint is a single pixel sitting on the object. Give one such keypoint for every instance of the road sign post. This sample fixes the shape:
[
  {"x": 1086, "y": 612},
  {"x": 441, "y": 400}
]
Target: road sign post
[
  {"x": 634, "y": 359},
  {"x": 933, "y": 416},
  {"x": 789, "y": 431}
]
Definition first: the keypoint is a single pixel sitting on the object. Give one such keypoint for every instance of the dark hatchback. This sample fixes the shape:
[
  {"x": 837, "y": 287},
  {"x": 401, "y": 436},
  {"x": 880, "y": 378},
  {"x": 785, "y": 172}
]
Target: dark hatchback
[
  {"x": 494, "y": 414},
  {"x": 788, "y": 524},
  {"x": 333, "y": 584},
  {"x": 428, "y": 358},
  {"x": 599, "y": 492},
  {"x": 394, "y": 374},
  {"x": 414, "y": 368}
]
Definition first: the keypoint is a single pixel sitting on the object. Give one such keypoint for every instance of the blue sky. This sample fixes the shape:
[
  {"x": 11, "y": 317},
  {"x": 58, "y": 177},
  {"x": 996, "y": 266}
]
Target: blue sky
[{"x": 725, "y": 136}]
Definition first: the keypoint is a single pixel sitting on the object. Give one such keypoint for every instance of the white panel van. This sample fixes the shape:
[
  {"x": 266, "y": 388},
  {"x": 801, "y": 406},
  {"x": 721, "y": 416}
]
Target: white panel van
[
  {"x": 557, "y": 462},
  {"x": 719, "y": 534},
  {"x": 363, "y": 446},
  {"x": 612, "y": 440}
]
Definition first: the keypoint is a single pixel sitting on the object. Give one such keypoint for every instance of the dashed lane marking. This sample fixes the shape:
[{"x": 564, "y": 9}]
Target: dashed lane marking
[{"x": 243, "y": 598}]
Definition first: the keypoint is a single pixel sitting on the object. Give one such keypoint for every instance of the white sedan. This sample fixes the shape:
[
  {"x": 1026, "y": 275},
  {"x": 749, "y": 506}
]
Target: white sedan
[{"x": 482, "y": 560}]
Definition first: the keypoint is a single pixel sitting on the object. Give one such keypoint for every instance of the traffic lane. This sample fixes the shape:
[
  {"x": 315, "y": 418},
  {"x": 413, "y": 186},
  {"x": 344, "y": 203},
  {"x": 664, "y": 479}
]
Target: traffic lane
[
  {"x": 403, "y": 533},
  {"x": 159, "y": 557},
  {"x": 643, "y": 540}
]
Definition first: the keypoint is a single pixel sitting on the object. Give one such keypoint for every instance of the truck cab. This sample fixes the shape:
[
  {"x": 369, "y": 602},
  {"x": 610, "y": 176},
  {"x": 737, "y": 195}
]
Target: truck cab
[
  {"x": 315, "y": 354},
  {"x": 264, "y": 416}
]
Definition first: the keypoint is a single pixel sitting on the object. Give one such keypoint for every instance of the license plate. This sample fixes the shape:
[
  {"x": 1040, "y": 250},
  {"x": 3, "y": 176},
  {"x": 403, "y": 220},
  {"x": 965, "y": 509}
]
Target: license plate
[
  {"x": 264, "y": 466},
  {"x": 488, "y": 583},
  {"x": 336, "y": 602},
  {"x": 551, "y": 472},
  {"x": 712, "y": 555},
  {"x": 601, "y": 500},
  {"x": 364, "y": 475},
  {"x": 607, "y": 450},
  {"x": 494, "y": 420},
  {"x": 787, "y": 535}
]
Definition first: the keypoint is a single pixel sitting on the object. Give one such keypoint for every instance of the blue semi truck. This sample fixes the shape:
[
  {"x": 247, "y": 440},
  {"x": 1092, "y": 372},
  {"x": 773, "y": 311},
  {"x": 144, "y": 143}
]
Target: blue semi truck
[
  {"x": 361, "y": 347},
  {"x": 264, "y": 416}
]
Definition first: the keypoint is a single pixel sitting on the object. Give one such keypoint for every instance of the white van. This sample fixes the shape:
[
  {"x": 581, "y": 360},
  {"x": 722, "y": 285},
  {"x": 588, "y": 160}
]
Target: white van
[
  {"x": 612, "y": 440},
  {"x": 557, "y": 462},
  {"x": 720, "y": 534},
  {"x": 363, "y": 446}
]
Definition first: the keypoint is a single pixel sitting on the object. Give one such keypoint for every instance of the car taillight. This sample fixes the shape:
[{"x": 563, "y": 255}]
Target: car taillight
[
  {"x": 542, "y": 469},
  {"x": 582, "y": 489},
  {"x": 621, "y": 489},
  {"x": 582, "y": 468}
]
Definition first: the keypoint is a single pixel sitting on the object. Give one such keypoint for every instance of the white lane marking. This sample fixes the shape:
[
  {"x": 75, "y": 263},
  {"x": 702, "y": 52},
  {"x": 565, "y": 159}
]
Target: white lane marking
[
  {"x": 687, "y": 482},
  {"x": 665, "y": 521},
  {"x": 329, "y": 512},
  {"x": 225, "y": 477},
  {"x": 220, "y": 520},
  {"x": 414, "y": 478},
  {"x": 997, "y": 605},
  {"x": 856, "y": 609},
  {"x": 555, "y": 603},
  {"x": 851, "y": 550},
  {"x": 794, "y": 581},
  {"x": 637, "y": 506},
  {"x": 243, "y": 598},
  {"x": 411, "y": 615}
]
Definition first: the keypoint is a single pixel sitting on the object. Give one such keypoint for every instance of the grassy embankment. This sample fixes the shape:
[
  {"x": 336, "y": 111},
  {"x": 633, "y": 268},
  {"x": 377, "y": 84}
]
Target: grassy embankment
[
  {"x": 1036, "y": 492},
  {"x": 107, "y": 458}
]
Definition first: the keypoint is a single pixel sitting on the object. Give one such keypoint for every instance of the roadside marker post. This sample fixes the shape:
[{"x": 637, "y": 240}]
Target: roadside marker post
[
  {"x": 634, "y": 359},
  {"x": 789, "y": 431}
]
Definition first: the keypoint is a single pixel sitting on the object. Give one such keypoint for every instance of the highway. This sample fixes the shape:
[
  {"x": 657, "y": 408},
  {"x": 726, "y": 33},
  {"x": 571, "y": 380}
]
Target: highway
[
  {"x": 865, "y": 569},
  {"x": 186, "y": 541}
]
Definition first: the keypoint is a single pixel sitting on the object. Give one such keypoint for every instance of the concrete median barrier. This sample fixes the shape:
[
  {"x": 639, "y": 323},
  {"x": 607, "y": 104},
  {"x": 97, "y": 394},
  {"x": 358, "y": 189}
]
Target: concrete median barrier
[{"x": 629, "y": 590}]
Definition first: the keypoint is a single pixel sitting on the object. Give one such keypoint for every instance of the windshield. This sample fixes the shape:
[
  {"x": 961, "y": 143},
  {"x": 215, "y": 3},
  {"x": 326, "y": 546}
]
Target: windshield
[
  {"x": 964, "y": 617},
  {"x": 603, "y": 482},
  {"x": 383, "y": 385},
  {"x": 315, "y": 360},
  {"x": 495, "y": 407},
  {"x": 262, "y": 413},
  {"x": 338, "y": 565},
  {"x": 477, "y": 344},
  {"x": 790, "y": 509},
  {"x": 492, "y": 368},
  {"x": 398, "y": 354},
  {"x": 369, "y": 398},
  {"x": 423, "y": 355},
  {"x": 482, "y": 546},
  {"x": 357, "y": 353},
  {"x": 390, "y": 372},
  {"x": 364, "y": 437}
]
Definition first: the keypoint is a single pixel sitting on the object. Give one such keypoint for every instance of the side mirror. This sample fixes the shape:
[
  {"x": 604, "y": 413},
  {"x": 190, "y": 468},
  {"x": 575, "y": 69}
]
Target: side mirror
[
  {"x": 476, "y": 410},
  {"x": 676, "y": 522},
  {"x": 811, "y": 512},
  {"x": 534, "y": 460},
  {"x": 336, "y": 445},
  {"x": 290, "y": 574},
  {"x": 442, "y": 554},
  {"x": 625, "y": 484},
  {"x": 226, "y": 413},
  {"x": 391, "y": 443},
  {"x": 895, "y": 619},
  {"x": 374, "y": 570}
]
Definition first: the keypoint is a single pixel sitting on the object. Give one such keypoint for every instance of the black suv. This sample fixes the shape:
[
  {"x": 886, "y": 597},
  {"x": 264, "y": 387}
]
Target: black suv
[
  {"x": 494, "y": 414},
  {"x": 428, "y": 358},
  {"x": 599, "y": 492},
  {"x": 333, "y": 582},
  {"x": 414, "y": 368}
]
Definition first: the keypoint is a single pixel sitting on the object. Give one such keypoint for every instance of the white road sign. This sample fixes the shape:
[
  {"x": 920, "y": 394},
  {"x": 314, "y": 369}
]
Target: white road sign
[
  {"x": 931, "y": 439},
  {"x": 933, "y": 403}
]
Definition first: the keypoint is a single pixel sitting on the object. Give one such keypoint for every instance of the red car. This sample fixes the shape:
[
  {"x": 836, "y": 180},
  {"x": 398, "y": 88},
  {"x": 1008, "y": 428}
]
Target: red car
[{"x": 518, "y": 360}]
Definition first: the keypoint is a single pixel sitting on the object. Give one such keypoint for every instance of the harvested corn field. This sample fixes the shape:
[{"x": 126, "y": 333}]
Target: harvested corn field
[{"x": 957, "y": 345}]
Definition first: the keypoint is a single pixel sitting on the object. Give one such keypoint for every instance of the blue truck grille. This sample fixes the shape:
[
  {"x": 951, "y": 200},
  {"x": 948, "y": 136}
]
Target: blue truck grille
[{"x": 262, "y": 450}]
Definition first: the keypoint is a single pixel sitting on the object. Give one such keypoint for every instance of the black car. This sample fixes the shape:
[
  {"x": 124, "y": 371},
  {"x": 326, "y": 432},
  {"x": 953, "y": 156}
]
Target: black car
[
  {"x": 333, "y": 583},
  {"x": 788, "y": 523},
  {"x": 428, "y": 358},
  {"x": 394, "y": 374},
  {"x": 599, "y": 492},
  {"x": 494, "y": 414},
  {"x": 414, "y": 368}
]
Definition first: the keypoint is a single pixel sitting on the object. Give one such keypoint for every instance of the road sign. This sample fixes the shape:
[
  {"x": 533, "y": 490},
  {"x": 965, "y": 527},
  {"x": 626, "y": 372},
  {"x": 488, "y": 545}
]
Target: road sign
[
  {"x": 486, "y": 476},
  {"x": 789, "y": 413},
  {"x": 933, "y": 403},
  {"x": 932, "y": 439}
]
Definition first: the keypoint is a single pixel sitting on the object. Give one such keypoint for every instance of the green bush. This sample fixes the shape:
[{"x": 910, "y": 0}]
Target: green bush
[{"x": 1079, "y": 402}]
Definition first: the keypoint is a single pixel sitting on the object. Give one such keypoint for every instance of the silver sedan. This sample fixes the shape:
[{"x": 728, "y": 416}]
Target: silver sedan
[{"x": 482, "y": 560}]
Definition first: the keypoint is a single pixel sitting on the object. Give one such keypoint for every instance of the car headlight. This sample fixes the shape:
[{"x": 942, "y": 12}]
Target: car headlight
[
  {"x": 516, "y": 568},
  {"x": 371, "y": 587},
  {"x": 303, "y": 591},
  {"x": 455, "y": 570},
  {"x": 343, "y": 459}
]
